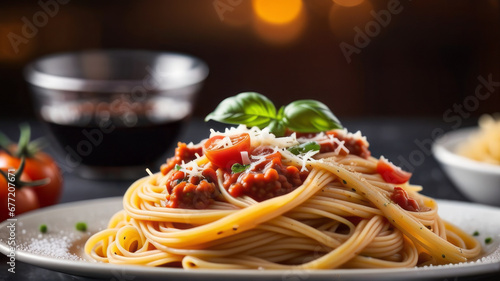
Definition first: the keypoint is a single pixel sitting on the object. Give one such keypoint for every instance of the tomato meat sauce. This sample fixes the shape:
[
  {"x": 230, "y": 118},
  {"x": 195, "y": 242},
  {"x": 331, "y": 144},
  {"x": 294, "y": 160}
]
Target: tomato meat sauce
[
  {"x": 193, "y": 192},
  {"x": 265, "y": 180},
  {"x": 268, "y": 179},
  {"x": 183, "y": 152},
  {"x": 355, "y": 145}
]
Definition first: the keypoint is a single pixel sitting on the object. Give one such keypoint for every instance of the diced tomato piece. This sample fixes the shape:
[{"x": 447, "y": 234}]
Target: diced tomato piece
[
  {"x": 390, "y": 173},
  {"x": 400, "y": 197},
  {"x": 226, "y": 156}
]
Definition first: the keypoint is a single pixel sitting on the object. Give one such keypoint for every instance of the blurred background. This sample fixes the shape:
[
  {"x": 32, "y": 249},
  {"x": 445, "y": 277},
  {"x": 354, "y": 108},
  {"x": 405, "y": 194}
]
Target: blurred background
[{"x": 360, "y": 57}]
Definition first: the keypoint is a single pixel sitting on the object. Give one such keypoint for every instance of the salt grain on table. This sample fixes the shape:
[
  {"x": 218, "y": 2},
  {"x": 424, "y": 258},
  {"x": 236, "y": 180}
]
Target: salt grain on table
[{"x": 54, "y": 247}]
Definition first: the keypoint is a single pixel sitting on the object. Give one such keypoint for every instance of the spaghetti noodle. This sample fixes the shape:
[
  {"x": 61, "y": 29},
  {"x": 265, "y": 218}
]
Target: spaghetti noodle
[{"x": 332, "y": 206}]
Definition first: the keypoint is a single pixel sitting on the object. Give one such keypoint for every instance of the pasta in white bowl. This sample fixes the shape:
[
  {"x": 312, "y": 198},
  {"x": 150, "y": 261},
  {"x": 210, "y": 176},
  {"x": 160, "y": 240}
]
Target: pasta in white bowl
[{"x": 479, "y": 181}]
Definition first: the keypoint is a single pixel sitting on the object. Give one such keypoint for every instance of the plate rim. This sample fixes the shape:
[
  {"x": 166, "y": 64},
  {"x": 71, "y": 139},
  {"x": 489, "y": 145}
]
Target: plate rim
[{"x": 89, "y": 268}]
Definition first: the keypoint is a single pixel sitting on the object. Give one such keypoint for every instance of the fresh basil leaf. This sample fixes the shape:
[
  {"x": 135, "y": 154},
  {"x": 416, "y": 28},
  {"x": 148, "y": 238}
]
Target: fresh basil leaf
[
  {"x": 305, "y": 147},
  {"x": 238, "y": 168},
  {"x": 277, "y": 128},
  {"x": 309, "y": 116},
  {"x": 248, "y": 108},
  {"x": 279, "y": 116},
  {"x": 178, "y": 167}
]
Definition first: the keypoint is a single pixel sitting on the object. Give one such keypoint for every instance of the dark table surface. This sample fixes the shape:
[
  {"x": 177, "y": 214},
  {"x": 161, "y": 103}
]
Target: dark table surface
[{"x": 405, "y": 141}]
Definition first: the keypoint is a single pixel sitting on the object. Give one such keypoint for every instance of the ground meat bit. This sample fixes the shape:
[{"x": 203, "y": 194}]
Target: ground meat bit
[
  {"x": 267, "y": 180},
  {"x": 182, "y": 153},
  {"x": 193, "y": 192}
]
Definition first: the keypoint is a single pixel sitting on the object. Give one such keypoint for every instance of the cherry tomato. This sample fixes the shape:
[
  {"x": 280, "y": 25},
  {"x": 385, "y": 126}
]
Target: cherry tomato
[
  {"x": 39, "y": 166},
  {"x": 23, "y": 199},
  {"x": 390, "y": 173},
  {"x": 226, "y": 156}
]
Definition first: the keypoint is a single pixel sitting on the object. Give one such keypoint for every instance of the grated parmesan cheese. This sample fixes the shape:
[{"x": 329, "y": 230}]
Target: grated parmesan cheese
[
  {"x": 191, "y": 169},
  {"x": 254, "y": 164},
  {"x": 263, "y": 137},
  {"x": 259, "y": 159},
  {"x": 357, "y": 135},
  {"x": 301, "y": 159},
  {"x": 244, "y": 157},
  {"x": 259, "y": 137},
  {"x": 340, "y": 147}
]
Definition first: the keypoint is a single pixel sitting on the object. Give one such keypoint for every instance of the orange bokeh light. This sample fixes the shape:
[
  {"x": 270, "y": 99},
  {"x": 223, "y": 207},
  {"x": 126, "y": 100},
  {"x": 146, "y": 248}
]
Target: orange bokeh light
[
  {"x": 280, "y": 34},
  {"x": 277, "y": 11}
]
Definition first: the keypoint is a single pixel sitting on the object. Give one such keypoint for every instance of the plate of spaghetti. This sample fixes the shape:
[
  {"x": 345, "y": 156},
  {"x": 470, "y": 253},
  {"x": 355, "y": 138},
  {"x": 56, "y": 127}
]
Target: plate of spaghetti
[{"x": 283, "y": 194}]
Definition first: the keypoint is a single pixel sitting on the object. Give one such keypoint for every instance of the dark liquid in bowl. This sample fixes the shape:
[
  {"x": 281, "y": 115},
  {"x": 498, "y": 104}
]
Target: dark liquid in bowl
[{"x": 113, "y": 144}]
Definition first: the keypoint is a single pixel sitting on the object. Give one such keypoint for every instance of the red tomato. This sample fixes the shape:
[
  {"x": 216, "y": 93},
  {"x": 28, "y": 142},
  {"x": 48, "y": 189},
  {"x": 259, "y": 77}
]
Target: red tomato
[
  {"x": 23, "y": 199},
  {"x": 39, "y": 166},
  {"x": 4, "y": 214},
  {"x": 390, "y": 173},
  {"x": 225, "y": 157}
]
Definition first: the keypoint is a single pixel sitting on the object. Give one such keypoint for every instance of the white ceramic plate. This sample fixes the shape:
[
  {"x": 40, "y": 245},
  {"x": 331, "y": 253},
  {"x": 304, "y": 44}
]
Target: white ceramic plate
[{"x": 61, "y": 248}]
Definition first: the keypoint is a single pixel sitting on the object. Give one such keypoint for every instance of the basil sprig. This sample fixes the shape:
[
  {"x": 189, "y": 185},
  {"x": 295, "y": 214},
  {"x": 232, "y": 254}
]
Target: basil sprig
[{"x": 254, "y": 109}]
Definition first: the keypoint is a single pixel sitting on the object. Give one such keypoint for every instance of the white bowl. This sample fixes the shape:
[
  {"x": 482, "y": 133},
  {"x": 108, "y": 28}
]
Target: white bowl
[{"x": 478, "y": 181}]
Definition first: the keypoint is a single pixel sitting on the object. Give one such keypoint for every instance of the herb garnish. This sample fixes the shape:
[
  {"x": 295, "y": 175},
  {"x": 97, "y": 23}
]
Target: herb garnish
[
  {"x": 253, "y": 109},
  {"x": 305, "y": 147},
  {"x": 238, "y": 168},
  {"x": 81, "y": 226}
]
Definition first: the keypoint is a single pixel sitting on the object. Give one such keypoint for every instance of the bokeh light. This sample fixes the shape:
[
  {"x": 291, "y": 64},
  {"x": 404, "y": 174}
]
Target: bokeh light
[
  {"x": 280, "y": 34},
  {"x": 278, "y": 22},
  {"x": 277, "y": 11}
]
